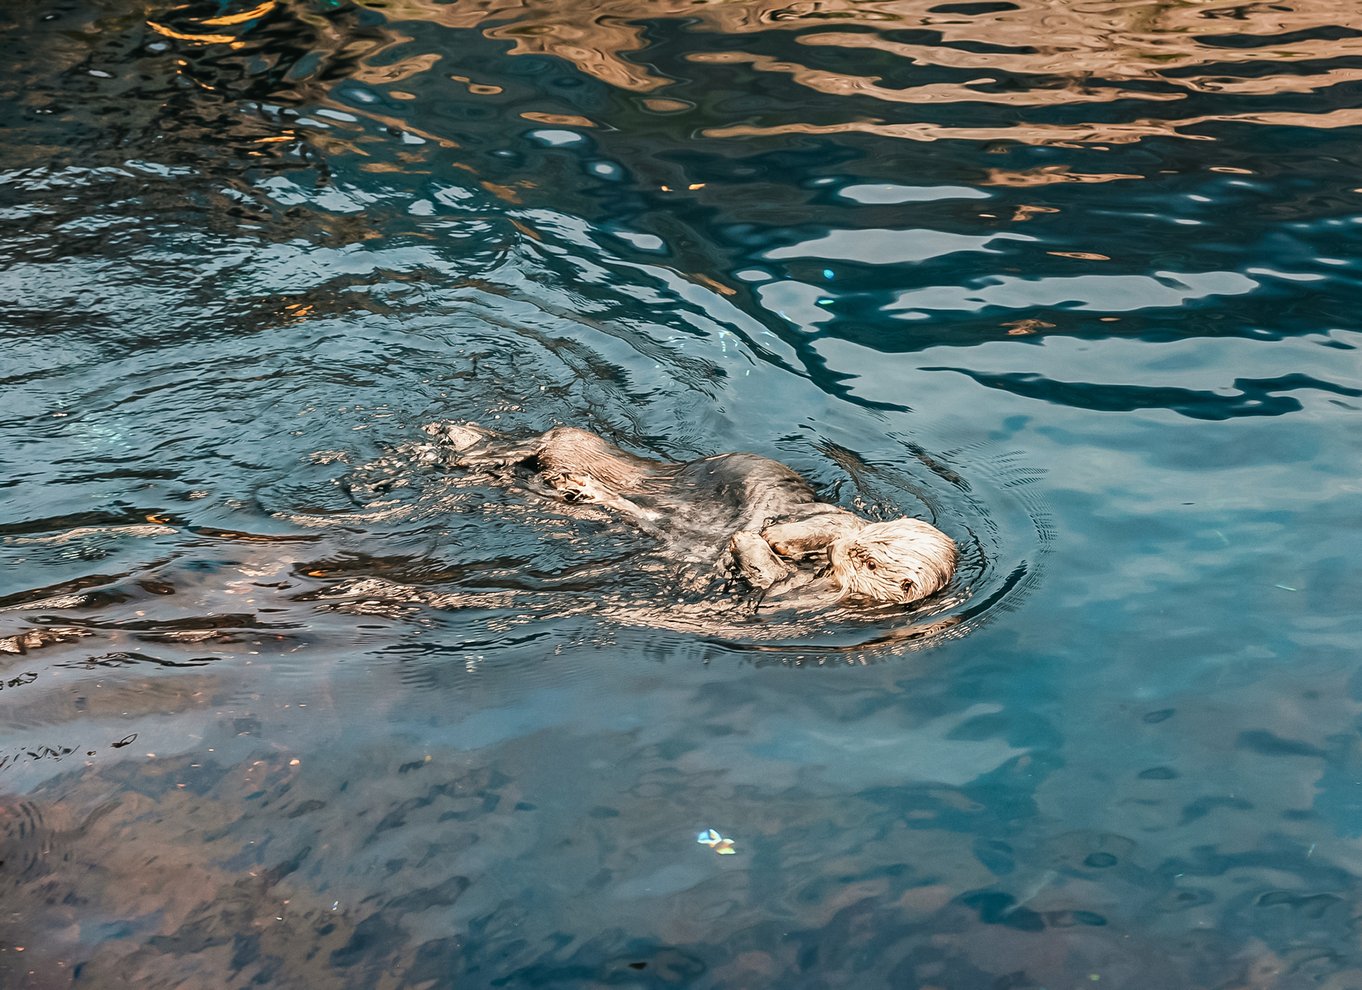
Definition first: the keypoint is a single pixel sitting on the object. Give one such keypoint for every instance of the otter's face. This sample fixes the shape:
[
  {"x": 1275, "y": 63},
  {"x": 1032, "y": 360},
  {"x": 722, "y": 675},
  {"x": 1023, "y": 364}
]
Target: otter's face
[{"x": 898, "y": 561}]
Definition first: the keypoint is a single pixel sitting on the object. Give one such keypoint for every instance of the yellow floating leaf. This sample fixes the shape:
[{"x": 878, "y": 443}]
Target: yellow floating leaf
[
  {"x": 715, "y": 285},
  {"x": 1080, "y": 255}
]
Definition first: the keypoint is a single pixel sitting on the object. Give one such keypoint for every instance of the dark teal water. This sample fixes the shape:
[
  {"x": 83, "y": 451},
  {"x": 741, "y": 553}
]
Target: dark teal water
[{"x": 283, "y": 705}]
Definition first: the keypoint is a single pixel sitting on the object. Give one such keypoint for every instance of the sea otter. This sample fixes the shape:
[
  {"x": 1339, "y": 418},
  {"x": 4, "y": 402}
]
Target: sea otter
[{"x": 748, "y": 514}]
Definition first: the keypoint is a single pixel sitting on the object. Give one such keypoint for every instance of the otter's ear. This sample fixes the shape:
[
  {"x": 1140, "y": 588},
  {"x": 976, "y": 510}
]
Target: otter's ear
[{"x": 907, "y": 586}]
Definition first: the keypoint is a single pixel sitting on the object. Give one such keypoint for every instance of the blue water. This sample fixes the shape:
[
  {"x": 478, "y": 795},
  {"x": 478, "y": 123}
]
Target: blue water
[{"x": 285, "y": 704}]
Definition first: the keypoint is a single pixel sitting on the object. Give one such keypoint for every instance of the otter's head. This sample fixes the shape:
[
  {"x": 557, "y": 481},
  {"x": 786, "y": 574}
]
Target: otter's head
[{"x": 898, "y": 561}]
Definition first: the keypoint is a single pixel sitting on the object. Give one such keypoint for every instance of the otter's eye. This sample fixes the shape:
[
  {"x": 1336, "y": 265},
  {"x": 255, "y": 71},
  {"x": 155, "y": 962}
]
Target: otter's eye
[{"x": 870, "y": 563}]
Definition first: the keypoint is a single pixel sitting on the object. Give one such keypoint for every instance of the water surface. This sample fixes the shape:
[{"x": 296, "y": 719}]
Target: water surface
[{"x": 285, "y": 704}]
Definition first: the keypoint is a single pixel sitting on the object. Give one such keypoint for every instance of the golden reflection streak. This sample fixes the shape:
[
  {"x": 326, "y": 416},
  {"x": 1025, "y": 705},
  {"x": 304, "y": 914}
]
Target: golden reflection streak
[
  {"x": 393, "y": 72},
  {"x": 202, "y": 39},
  {"x": 1025, "y": 212},
  {"x": 841, "y": 84},
  {"x": 1076, "y": 39},
  {"x": 557, "y": 119},
  {"x": 1154, "y": 58},
  {"x": 243, "y": 17},
  {"x": 659, "y": 105},
  {"x": 1342, "y": 117},
  {"x": 1055, "y": 134},
  {"x": 600, "y": 62},
  {"x": 1271, "y": 85},
  {"x": 1039, "y": 134},
  {"x": 1077, "y": 51},
  {"x": 1049, "y": 175},
  {"x": 478, "y": 89},
  {"x": 593, "y": 42},
  {"x": 365, "y": 71}
]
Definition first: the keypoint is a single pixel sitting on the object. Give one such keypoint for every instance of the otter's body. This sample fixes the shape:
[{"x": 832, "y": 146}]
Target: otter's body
[{"x": 742, "y": 512}]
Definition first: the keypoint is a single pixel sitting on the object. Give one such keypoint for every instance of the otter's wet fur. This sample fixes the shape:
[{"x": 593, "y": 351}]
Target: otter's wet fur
[{"x": 740, "y": 512}]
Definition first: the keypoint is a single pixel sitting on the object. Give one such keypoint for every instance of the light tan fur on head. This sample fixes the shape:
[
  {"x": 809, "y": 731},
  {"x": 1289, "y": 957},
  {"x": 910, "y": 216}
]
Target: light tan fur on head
[{"x": 898, "y": 561}]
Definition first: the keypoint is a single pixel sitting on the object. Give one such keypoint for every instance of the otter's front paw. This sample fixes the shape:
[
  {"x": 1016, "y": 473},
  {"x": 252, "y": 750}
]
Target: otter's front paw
[
  {"x": 755, "y": 562},
  {"x": 811, "y": 535}
]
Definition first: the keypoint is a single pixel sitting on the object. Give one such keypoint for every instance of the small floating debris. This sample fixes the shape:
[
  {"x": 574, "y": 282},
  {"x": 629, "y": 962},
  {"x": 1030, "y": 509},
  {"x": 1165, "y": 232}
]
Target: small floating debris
[
  {"x": 715, "y": 841},
  {"x": 1020, "y": 328}
]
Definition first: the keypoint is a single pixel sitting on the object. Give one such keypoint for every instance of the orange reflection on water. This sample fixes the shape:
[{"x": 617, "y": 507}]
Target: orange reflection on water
[
  {"x": 242, "y": 17},
  {"x": 1044, "y": 134},
  {"x": 1034, "y": 53},
  {"x": 1048, "y": 175},
  {"x": 202, "y": 39},
  {"x": 1080, "y": 47},
  {"x": 841, "y": 84},
  {"x": 557, "y": 119}
]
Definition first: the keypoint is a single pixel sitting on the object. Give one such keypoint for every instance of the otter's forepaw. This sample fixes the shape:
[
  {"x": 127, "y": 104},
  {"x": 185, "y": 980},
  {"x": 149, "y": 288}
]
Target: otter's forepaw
[
  {"x": 812, "y": 534},
  {"x": 753, "y": 559}
]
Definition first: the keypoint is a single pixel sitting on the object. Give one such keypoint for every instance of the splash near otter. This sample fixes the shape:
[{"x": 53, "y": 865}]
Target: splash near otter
[{"x": 744, "y": 515}]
